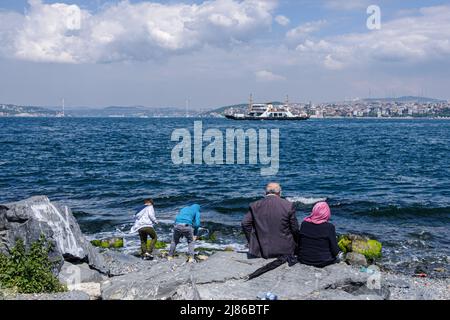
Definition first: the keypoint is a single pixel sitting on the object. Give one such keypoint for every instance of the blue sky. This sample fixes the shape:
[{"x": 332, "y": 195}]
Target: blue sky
[{"x": 160, "y": 53}]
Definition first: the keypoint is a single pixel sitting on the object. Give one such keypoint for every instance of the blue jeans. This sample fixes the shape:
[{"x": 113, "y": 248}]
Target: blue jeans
[{"x": 179, "y": 232}]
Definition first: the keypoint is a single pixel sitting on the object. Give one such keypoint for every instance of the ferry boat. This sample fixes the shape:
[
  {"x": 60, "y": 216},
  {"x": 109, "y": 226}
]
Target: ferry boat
[{"x": 267, "y": 111}]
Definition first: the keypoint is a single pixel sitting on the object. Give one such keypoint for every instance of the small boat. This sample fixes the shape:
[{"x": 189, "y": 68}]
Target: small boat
[{"x": 267, "y": 111}]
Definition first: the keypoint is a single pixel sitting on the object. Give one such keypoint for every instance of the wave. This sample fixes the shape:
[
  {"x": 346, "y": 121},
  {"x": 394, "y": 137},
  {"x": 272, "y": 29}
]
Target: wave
[
  {"x": 238, "y": 204},
  {"x": 397, "y": 211},
  {"x": 305, "y": 200}
]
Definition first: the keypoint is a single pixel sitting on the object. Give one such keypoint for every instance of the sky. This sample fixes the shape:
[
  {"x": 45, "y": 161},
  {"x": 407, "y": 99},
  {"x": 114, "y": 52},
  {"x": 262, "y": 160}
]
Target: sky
[{"x": 214, "y": 53}]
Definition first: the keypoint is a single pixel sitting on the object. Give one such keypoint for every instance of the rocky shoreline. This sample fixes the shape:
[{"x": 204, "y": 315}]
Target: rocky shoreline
[{"x": 91, "y": 273}]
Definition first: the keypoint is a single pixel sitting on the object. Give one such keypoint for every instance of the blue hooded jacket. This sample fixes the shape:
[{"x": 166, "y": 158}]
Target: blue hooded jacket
[{"x": 189, "y": 215}]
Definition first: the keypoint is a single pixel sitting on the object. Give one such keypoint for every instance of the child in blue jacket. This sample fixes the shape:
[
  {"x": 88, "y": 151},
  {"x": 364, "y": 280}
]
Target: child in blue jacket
[{"x": 187, "y": 223}]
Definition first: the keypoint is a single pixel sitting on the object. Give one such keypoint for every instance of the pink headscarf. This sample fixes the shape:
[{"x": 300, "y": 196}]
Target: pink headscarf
[{"x": 321, "y": 213}]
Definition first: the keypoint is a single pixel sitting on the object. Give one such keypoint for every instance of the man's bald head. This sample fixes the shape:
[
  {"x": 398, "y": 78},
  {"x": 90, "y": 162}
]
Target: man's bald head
[{"x": 273, "y": 188}]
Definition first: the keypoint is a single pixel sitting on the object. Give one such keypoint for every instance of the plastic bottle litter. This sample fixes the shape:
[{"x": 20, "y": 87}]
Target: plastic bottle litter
[
  {"x": 420, "y": 275},
  {"x": 267, "y": 296},
  {"x": 366, "y": 270}
]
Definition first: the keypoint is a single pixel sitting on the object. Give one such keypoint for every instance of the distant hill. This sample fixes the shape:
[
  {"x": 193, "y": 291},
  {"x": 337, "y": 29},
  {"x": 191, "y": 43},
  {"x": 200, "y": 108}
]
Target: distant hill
[
  {"x": 129, "y": 112},
  {"x": 11, "y": 110},
  {"x": 405, "y": 99}
]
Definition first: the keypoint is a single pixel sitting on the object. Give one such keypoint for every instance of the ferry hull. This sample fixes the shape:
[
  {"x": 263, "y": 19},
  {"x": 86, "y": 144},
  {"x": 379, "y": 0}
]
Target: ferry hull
[{"x": 267, "y": 118}]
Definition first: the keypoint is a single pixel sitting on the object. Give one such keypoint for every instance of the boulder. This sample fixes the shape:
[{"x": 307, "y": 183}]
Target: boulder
[
  {"x": 81, "y": 273},
  {"x": 156, "y": 280},
  {"x": 356, "y": 259},
  {"x": 36, "y": 216},
  {"x": 81, "y": 278},
  {"x": 224, "y": 276},
  {"x": 92, "y": 289},
  {"x": 370, "y": 248},
  {"x": 118, "y": 263}
]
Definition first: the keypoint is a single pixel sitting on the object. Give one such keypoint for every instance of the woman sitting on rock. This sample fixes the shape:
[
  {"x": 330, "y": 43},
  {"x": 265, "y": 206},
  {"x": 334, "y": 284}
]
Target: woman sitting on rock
[{"x": 317, "y": 238}]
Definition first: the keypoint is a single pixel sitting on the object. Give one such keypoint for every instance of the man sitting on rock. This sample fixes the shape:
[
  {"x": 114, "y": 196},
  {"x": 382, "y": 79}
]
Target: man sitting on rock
[
  {"x": 187, "y": 223},
  {"x": 145, "y": 219},
  {"x": 271, "y": 226}
]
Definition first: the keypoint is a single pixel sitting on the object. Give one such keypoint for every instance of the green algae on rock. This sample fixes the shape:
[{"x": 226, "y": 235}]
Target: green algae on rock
[
  {"x": 158, "y": 244},
  {"x": 114, "y": 243},
  {"x": 371, "y": 249}
]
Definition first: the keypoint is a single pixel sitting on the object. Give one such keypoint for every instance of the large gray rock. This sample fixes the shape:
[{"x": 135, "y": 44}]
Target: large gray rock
[
  {"x": 223, "y": 276},
  {"x": 118, "y": 263},
  {"x": 36, "y": 216},
  {"x": 158, "y": 280},
  {"x": 78, "y": 273},
  {"x": 356, "y": 259}
]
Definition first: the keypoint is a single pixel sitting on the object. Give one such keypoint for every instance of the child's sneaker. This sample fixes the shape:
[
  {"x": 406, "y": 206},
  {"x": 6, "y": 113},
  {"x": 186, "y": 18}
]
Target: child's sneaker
[
  {"x": 148, "y": 256},
  {"x": 190, "y": 260}
]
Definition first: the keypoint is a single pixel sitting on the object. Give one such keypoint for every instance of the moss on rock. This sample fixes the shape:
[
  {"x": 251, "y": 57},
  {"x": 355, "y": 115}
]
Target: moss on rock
[
  {"x": 371, "y": 249},
  {"x": 158, "y": 245},
  {"x": 114, "y": 243},
  {"x": 96, "y": 243},
  {"x": 117, "y": 243},
  {"x": 211, "y": 237},
  {"x": 344, "y": 244}
]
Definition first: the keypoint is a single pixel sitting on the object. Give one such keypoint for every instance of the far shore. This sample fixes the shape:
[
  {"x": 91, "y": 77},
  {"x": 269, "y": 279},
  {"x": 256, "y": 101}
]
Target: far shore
[{"x": 200, "y": 117}]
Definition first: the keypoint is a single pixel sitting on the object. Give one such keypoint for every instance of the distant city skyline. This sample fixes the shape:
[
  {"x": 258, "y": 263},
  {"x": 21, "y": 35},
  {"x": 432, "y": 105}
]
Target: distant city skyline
[{"x": 215, "y": 53}]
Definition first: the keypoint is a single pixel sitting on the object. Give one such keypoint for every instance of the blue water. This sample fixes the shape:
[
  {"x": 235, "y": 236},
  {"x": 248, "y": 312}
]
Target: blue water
[{"x": 389, "y": 179}]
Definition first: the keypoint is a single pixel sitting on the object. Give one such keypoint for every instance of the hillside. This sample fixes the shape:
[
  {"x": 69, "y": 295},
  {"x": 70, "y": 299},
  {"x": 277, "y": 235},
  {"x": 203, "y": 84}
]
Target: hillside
[
  {"x": 11, "y": 110},
  {"x": 405, "y": 99}
]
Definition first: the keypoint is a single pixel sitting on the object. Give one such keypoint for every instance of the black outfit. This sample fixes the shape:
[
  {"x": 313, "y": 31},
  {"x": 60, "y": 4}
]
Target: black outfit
[
  {"x": 290, "y": 259},
  {"x": 317, "y": 244}
]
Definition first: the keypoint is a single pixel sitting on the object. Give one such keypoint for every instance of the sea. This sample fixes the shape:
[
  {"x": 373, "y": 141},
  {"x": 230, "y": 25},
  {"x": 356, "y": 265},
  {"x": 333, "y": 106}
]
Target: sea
[{"x": 388, "y": 179}]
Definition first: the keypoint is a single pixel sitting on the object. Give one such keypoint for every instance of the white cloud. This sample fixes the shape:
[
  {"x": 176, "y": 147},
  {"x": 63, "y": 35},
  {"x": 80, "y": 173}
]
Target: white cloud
[
  {"x": 130, "y": 31},
  {"x": 305, "y": 29},
  {"x": 268, "y": 76},
  {"x": 9, "y": 22},
  {"x": 332, "y": 63},
  {"x": 282, "y": 20},
  {"x": 347, "y": 4},
  {"x": 406, "y": 40}
]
